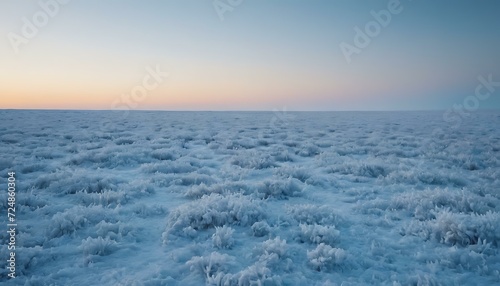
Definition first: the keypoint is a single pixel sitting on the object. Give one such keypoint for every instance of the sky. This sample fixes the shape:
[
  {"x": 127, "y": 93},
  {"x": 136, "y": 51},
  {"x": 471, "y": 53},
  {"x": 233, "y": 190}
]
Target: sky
[{"x": 248, "y": 54}]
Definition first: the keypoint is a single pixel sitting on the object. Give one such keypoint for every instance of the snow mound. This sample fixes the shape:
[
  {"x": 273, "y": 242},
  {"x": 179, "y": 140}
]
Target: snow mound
[
  {"x": 280, "y": 189},
  {"x": 319, "y": 234},
  {"x": 326, "y": 258},
  {"x": 210, "y": 265},
  {"x": 98, "y": 246},
  {"x": 260, "y": 229},
  {"x": 223, "y": 237},
  {"x": 458, "y": 228},
  {"x": 314, "y": 214},
  {"x": 214, "y": 210}
]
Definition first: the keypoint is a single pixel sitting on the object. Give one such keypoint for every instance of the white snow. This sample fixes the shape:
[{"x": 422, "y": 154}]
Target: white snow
[{"x": 252, "y": 198}]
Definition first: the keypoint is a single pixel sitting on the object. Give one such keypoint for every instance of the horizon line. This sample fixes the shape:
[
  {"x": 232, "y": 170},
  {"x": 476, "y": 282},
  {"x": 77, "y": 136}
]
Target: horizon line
[{"x": 236, "y": 110}]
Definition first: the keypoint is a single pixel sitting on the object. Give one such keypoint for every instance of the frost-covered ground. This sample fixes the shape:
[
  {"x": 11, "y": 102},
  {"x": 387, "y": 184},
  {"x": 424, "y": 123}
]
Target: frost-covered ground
[{"x": 188, "y": 198}]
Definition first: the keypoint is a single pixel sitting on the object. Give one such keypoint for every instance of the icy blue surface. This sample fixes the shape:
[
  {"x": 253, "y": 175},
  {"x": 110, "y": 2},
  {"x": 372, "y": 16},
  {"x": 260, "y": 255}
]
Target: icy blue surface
[{"x": 229, "y": 198}]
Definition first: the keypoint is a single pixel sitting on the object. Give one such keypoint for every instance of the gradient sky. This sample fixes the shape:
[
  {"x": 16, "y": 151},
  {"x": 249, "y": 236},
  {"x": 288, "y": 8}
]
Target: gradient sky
[{"x": 264, "y": 55}]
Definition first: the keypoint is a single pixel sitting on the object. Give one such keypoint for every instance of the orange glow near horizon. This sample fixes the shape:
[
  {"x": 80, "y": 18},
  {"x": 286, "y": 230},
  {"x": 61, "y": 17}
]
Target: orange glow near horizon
[{"x": 173, "y": 94}]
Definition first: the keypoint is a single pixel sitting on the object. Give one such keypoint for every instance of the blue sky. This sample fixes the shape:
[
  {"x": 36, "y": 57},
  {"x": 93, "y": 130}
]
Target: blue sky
[{"x": 261, "y": 55}]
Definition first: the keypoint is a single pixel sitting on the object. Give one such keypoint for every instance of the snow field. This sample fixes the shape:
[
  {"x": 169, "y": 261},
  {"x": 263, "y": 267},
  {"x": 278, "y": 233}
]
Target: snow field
[{"x": 184, "y": 198}]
